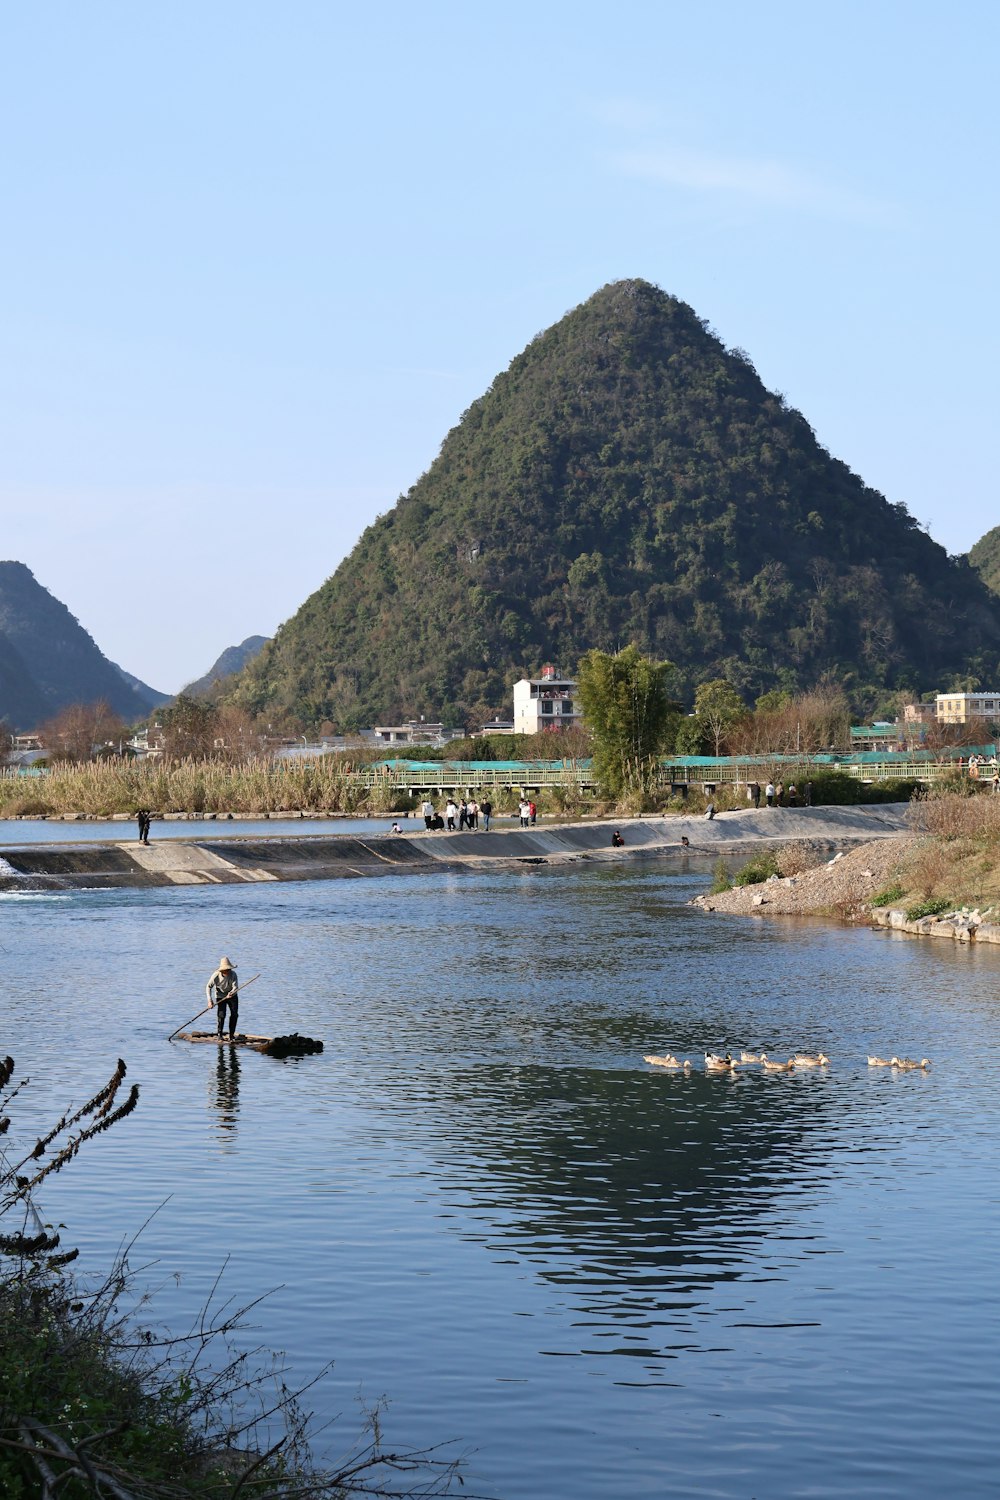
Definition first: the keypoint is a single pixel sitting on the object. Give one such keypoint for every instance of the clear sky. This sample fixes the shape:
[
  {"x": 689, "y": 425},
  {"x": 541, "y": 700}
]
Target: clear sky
[{"x": 256, "y": 260}]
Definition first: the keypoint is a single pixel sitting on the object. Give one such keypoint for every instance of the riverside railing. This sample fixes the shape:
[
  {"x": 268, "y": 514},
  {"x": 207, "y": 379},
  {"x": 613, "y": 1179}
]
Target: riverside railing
[{"x": 458, "y": 777}]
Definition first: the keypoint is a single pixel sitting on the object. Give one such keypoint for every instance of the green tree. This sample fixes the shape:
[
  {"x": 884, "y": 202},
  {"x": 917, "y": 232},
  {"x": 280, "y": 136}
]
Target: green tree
[
  {"x": 629, "y": 713},
  {"x": 189, "y": 727},
  {"x": 690, "y": 737},
  {"x": 773, "y": 702},
  {"x": 719, "y": 707}
]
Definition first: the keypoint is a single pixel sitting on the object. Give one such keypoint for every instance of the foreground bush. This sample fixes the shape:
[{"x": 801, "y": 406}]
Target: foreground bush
[{"x": 758, "y": 869}]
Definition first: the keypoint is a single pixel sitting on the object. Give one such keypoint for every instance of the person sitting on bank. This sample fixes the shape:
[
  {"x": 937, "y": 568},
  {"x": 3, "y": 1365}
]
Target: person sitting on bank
[
  {"x": 222, "y": 990},
  {"x": 685, "y": 841},
  {"x": 617, "y": 842}
]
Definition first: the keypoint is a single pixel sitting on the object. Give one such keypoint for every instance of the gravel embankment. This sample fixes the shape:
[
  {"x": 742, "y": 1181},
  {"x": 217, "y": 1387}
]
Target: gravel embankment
[{"x": 841, "y": 888}]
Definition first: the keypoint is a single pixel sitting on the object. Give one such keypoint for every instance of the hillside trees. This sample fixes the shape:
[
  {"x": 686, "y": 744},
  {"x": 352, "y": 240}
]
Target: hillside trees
[
  {"x": 985, "y": 558},
  {"x": 630, "y": 716}
]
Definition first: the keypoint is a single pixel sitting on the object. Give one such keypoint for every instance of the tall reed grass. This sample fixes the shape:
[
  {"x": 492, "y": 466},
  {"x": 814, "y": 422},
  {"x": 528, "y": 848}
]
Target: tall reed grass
[{"x": 101, "y": 789}]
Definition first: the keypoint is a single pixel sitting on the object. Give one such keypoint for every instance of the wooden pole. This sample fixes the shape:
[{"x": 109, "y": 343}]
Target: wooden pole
[{"x": 185, "y": 1024}]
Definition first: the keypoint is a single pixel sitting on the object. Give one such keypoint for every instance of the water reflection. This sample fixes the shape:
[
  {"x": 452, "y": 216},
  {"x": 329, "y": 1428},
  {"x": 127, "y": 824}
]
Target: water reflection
[
  {"x": 639, "y": 1194},
  {"x": 227, "y": 1087}
]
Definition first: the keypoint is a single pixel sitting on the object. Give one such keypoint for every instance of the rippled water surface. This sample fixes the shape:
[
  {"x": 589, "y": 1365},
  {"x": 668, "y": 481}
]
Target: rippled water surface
[{"x": 602, "y": 1280}]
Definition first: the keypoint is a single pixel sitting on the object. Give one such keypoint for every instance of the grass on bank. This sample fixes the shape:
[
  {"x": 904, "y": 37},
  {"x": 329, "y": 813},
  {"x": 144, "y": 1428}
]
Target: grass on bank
[{"x": 956, "y": 861}]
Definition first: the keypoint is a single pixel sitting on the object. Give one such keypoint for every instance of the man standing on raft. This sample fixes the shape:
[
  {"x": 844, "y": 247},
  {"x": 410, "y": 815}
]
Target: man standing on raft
[{"x": 226, "y": 986}]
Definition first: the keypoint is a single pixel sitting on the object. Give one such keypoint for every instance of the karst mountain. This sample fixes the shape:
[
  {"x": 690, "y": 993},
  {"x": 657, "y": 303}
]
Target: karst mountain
[
  {"x": 233, "y": 659},
  {"x": 628, "y": 479},
  {"x": 48, "y": 661}
]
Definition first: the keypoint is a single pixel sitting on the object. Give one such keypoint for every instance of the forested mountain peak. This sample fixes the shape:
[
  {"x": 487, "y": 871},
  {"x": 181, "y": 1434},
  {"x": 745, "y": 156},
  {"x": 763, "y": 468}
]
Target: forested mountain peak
[{"x": 628, "y": 479}]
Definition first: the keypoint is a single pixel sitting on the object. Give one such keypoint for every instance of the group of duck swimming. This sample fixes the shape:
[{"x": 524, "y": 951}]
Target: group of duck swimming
[{"x": 714, "y": 1063}]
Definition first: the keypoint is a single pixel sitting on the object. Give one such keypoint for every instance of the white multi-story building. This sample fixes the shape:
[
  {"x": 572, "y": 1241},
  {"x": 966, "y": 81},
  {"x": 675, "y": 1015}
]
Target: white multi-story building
[
  {"x": 959, "y": 708},
  {"x": 545, "y": 703}
]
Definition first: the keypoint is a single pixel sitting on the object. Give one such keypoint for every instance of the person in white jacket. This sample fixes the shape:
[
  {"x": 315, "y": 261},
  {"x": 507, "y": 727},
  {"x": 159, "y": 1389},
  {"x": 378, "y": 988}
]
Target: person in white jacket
[{"x": 223, "y": 992}]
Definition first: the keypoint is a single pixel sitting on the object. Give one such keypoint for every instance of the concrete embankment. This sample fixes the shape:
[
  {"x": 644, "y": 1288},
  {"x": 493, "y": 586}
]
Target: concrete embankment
[{"x": 235, "y": 860}]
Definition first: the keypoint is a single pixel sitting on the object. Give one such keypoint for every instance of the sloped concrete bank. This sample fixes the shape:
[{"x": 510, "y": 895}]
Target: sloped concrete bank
[{"x": 235, "y": 860}]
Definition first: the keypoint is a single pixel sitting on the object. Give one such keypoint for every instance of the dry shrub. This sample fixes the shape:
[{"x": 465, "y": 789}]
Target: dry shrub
[
  {"x": 794, "y": 859},
  {"x": 931, "y": 867},
  {"x": 950, "y": 815}
]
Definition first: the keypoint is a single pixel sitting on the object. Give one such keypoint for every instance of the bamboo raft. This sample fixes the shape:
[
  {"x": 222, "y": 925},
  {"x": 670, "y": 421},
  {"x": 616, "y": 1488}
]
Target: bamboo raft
[{"x": 272, "y": 1046}]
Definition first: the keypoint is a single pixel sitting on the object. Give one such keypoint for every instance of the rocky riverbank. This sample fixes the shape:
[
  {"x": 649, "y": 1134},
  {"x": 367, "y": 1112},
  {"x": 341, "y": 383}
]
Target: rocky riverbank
[
  {"x": 855, "y": 886},
  {"x": 841, "y": 887}
]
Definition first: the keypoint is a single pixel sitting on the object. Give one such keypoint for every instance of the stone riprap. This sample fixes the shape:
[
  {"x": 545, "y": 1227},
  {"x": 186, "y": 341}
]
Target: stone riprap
[{"x": 963, "y": 926}]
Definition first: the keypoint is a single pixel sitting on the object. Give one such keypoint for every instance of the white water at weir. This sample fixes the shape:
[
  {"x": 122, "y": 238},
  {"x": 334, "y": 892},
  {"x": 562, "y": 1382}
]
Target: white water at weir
[{"x": 6, "y": 868}]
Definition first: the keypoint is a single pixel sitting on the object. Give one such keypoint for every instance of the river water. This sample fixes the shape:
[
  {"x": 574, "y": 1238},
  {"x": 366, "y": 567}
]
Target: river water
[
  {"x": 16, "y": 832},
  {"x": 596, "y": 1279}
]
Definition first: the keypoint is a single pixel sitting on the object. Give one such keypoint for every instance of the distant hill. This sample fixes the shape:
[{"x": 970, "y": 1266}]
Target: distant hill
[
  {"x": 232, "y": 660},
  {"x": 985, "y": 558},
  {"x": 628, "y": 479},
  {"x": 150, "y": 694},
  {"x": 22, "y": 704},
  {"x": 48, "y": 661}
]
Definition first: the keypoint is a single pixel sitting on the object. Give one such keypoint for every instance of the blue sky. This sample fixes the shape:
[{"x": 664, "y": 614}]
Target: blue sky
[{"x": 258, "y": 259}]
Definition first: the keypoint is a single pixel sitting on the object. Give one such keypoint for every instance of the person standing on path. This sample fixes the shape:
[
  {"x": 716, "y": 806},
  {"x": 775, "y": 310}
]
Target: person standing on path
[
  {"x": 486, "y": 808},
  {"x": 225, "y": 986},
  {"x": 451, "y": 813},
  {"x": 427, "y": 812},
  {"x": 532, "y": 812},
  {"x": 769, "y": 794},
  {"x": 143, "y": 819},
  {"x": 524, "y": 812}
]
